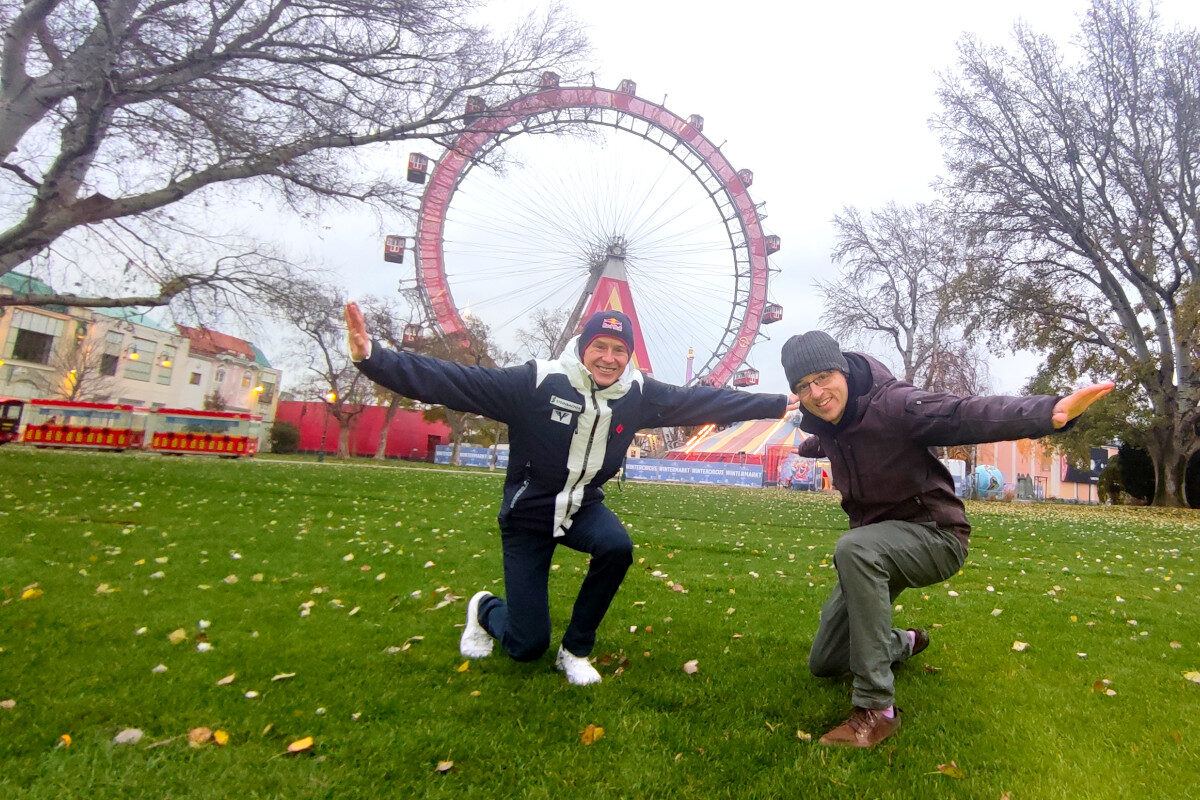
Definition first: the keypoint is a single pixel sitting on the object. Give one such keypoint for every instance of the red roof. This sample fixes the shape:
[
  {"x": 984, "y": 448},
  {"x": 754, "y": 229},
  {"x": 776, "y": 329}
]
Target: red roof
[{"x": 207, "y": 342}]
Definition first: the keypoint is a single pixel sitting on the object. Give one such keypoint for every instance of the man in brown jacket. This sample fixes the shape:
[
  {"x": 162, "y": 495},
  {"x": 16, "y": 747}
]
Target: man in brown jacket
[{"x": 907, "y": 526}]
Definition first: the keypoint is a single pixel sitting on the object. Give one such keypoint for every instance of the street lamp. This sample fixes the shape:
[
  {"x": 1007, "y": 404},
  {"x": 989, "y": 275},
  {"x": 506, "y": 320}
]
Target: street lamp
[{"x": 330, "y": 399}]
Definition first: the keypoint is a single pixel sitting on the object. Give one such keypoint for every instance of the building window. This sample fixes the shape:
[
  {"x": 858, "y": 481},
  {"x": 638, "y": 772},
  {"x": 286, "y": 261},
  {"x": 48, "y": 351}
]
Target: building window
[
  {"x": 111, "y": 356},
  {"x": 31, "y": 336},
  {"x": 140, "y": 360},
  {"x": 33, "y": 346},
  {"x": 194, "y": 380},
  {"x": 245, "y": 380},
  {"x": 220, "y": 376},
  {"x": 166, "y": 361}
]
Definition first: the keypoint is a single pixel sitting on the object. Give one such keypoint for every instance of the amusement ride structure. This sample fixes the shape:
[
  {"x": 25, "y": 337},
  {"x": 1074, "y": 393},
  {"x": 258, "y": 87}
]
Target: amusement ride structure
[{"x": 633, "y": 209}]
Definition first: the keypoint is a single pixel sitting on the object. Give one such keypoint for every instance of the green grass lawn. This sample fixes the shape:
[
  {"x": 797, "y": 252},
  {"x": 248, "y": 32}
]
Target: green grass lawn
[{"x": 114, "y": 552}]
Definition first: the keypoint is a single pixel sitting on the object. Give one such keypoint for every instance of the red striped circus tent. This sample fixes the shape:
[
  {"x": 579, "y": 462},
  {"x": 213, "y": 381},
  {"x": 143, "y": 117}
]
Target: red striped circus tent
[{"x": 747, "y": 442}]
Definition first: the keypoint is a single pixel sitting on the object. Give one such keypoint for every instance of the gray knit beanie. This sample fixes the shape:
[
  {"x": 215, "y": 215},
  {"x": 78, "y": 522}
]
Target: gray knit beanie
[{"x": 815, "y": 351}]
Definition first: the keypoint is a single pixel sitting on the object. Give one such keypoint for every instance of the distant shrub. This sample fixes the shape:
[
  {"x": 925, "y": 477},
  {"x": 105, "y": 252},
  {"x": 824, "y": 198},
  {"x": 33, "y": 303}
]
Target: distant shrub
[{"x": 285, "y": 437}]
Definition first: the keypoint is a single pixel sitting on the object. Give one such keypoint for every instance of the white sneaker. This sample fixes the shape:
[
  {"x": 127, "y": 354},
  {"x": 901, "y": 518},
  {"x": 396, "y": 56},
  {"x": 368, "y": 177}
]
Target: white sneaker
[
  {"x": 579, "y": 670},
  {"x": 475, "y": 642}
]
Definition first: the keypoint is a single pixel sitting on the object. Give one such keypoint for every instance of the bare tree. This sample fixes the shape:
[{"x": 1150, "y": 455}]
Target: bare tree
[
  {"x": 384, "y": 322},
  {"x": 545, "y": 330},
  {"x": 315, "y": 314},
  {"x": 897, "y": 265},
  {"x": 1083, "y": 177},
  {"x": 78, "y": 371},
  {"x": 113, "y": 112}
]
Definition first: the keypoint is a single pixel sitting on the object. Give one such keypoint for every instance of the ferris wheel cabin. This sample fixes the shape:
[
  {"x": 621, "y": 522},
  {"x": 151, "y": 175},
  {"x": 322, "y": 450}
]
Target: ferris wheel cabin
[
  {"x": 745, "y": 377},
  {"x": 772, "y": 312}
]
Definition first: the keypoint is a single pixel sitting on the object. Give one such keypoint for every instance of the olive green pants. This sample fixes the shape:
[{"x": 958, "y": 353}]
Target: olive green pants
[{"x": 875, "y": 563}]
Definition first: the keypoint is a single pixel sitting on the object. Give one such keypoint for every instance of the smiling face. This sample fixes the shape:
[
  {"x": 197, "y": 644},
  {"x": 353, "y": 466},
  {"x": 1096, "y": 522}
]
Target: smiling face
[
  {"x": 824, "y": 394},
  {"x": 605, "y": 358}
]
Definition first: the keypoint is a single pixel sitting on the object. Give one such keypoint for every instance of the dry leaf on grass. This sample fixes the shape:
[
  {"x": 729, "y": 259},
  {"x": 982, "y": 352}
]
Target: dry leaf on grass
[
  {"x": 951, "y": 770},
  {"x": 1020, "y": 646},
  {"x": 7, "y": 704},
  {"x": 300, "y": 745},
  {"x": 1192, "y": 676},
  {"x": 31, "y": 592},
  {"x": 692, "y": 667},
  {"x": 199, "y": 736},
  {"x": 176, "y": 636},
  {"x": 63, "y": 741},
  {"x": 463, "y": 667},
  {"x": 283, "y": 676},
  {"x": 445, "y": 766},
  {"x": 228, "y": 679},
  {"x": 128, "y": 736},
  {"x": 221, "y": 738},
  {"x": 590, "y": 734}
]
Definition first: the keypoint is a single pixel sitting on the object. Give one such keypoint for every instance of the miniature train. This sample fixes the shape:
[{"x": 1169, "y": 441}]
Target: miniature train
[{"x": 118, "y": 426}]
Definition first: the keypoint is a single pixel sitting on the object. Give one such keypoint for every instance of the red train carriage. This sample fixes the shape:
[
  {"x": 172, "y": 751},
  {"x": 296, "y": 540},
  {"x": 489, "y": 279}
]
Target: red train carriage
[
  {"x": 221, "y": 433},
  {"x": 93, "y": 426},
  {"x": 10, "y": 418}
]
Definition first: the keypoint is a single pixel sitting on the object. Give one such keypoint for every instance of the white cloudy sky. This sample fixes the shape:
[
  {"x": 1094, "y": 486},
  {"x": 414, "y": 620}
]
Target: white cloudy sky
[{"x": 826, "y": 102}]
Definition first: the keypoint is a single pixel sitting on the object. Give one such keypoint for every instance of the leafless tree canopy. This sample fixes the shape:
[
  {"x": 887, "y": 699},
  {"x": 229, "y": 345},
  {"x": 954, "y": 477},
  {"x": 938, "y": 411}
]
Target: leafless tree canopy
[
  {"x": 1081, "y": 169},
  {"x": 896, "y": 266},
  {"x": 546, "y": 326},
  {"x": 111, "y": 111}
]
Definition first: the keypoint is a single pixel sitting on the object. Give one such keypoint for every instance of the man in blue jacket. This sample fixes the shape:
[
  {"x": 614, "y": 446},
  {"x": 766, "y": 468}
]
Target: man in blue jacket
[
  {"x": 570, "y": 422},
  {"x": 907, "y": 526}
]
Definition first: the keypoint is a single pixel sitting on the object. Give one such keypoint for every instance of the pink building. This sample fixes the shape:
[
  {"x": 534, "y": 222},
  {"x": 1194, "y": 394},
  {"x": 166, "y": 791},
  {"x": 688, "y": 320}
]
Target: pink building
[{"x": 1049, "y": 472}]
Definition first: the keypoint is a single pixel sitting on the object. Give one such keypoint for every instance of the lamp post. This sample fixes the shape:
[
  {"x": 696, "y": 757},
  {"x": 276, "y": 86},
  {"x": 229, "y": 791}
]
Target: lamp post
[{"x": 330, "y": 399}]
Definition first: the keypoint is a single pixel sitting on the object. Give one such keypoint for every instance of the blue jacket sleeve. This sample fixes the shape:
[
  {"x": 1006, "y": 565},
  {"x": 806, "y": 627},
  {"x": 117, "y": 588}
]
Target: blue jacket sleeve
[
  {"x": 697, "y": 405},
  {"x": 491, "y": 392}
]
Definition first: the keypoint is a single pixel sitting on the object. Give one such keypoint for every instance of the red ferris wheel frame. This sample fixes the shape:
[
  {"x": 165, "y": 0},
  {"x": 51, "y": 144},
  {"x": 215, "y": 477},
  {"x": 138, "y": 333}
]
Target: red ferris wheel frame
[{"x": 738, "y": 212}]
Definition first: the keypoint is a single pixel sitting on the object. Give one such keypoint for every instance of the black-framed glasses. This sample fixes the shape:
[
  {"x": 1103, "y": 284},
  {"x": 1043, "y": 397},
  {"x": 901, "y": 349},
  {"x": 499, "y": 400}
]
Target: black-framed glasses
[{"x": 821, "y": 380}]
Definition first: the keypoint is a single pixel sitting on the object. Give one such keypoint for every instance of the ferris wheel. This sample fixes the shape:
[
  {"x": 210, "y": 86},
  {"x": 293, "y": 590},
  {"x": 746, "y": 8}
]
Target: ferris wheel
[{"x": 634, "y": 209}]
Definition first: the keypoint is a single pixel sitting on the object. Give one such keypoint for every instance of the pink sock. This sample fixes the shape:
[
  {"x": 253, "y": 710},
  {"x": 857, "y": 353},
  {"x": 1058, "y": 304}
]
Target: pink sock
[
  {"x": 889, "y": 712},
  {"x": 912, "y": 640}
]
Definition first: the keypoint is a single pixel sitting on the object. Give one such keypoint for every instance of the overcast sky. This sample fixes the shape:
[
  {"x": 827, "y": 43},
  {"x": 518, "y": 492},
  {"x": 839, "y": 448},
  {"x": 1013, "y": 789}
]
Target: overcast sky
[{"x": 828, "y": 104}]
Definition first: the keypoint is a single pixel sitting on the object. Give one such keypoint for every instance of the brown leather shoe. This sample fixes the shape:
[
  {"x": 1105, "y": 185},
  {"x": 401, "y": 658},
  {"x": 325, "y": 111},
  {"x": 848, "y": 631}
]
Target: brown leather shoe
[
  {"x": 922, "y": 640},
  {"x": 865, "y": 728}
]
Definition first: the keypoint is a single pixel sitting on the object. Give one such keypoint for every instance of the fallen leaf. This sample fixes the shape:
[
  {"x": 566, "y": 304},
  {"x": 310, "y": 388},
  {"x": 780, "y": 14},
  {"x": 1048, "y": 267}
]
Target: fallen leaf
[
  {"x": 221, "y": 738},
  {"x": 230, "y": 579},
  {"x": 176, "y": 636},
  {"x": 228, "y": 679},
  {"x": 63, "y": 741},
  {"x": 951, "y": 770},
  {"x": 803, "y": 736},
  {"x": 464, "y": 666},
  {"x": 1192, "y": 676},
  {"x": 590, "y": 734},
  {"x": 199, "y": 736},
  {"x": 32, "y": 592},
  {"x": 1020, "y": 646},
  {"x": 128, "y": 736},
  {"x": 931, "y": 669},
  {"x": 300, "y": 745},
  {"x": 445, "y": 766},
  {"x": 159, "y": 669},
  {"x": 692, "y": 667},
  {"x": 250, "y": 695},
  {"x": 6, "y": 704},
  {"x": 283, "y": 676}
]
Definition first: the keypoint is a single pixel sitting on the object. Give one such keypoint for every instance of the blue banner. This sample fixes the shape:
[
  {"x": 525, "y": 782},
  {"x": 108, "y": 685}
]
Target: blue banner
[
  {"x": 655, "y": 469},
  {"x": 471, "y": 456}
]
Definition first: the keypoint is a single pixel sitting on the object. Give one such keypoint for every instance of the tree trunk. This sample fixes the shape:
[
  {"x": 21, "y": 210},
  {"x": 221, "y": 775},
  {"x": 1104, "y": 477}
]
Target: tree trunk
[
  {"x": 1170, "y": 466},
  {"x": 388, "y": 415},
  {"x": 343, "y": 450}
]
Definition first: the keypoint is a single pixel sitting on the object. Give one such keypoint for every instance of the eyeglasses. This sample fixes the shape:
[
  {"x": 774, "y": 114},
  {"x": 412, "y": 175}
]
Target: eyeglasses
[{"x": 821, "y": 380}]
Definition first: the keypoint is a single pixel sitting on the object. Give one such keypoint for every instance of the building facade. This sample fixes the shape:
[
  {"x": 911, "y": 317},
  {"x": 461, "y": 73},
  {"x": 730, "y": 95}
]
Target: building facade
[{"x": 120, "y": 356}]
